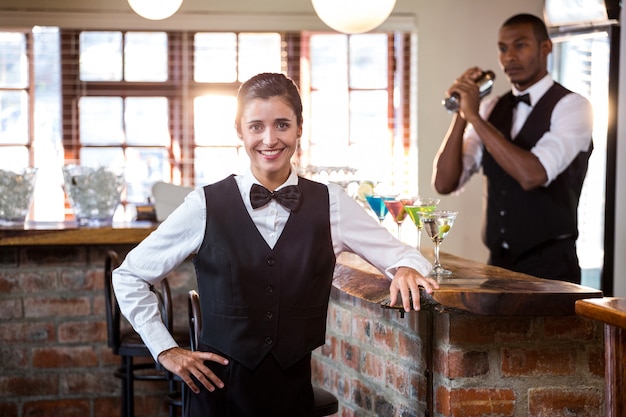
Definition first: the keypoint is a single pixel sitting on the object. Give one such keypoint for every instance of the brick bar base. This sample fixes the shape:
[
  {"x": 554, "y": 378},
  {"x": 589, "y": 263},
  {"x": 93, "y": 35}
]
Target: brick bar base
[{"x": 482, "y": 366}]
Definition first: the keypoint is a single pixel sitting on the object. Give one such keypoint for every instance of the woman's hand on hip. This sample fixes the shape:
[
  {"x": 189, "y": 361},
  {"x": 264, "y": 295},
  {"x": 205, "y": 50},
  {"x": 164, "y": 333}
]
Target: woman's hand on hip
[{"x": 185, "y": 363}]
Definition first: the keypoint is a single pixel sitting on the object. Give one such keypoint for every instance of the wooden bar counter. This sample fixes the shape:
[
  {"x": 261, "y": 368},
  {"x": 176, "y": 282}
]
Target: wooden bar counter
[
  {"x": 70, "y": 233},
  {"x": 612, "y": 312},
  {"x": 489, "y": 342},
  {"x": 472, "y": 288}
]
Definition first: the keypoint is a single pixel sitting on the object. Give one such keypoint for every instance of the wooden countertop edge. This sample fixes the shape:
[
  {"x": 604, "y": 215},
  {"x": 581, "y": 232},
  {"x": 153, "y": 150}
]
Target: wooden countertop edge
[
  {"x": 484, "y": 294},
  {"x": 609, "y": 310},
  {"x": 131, "y": 233}
]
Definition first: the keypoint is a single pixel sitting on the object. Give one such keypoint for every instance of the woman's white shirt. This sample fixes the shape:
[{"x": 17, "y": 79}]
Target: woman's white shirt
[{"x": 181, "y": 234}]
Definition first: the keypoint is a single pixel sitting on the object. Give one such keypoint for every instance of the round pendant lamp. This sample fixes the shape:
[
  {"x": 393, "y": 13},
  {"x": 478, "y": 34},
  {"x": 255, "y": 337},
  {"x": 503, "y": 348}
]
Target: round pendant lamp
[
  {"x": 155, "y": 9},
  {"x": 353, "y": 16}
]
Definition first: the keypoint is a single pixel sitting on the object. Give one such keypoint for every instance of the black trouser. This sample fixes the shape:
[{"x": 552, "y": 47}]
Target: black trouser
[
  {"x": 266, "y": 391},
  {"x": 555, "y": 259}
]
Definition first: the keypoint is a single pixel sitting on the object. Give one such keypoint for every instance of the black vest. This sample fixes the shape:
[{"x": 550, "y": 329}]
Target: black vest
[
  {"x": 256, "y": 300},
  {"x": 526, "y": 219}
]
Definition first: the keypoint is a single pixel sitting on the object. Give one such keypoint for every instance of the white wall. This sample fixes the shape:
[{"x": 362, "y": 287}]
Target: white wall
[{"x": 452, "y": 35}]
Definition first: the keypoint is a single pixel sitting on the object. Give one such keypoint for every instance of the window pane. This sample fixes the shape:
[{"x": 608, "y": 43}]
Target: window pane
[
  {"x": 145, "y": 166},
  {"x": 47, "y": 104},
  {"x": 329, "y": 66},
  {"x": 214, "y": 164},
  {"x": 215, "y": 57},
  {"x": 13, "y": 117},
  {"x": 13, "y": 60},
  {"x": 329, "y": 128},
  {"x": 14, "y": 158},
  {"x": 48, "y": 151},
  {"x": 373, "y": 165},
  {"x": 102, "y": 157},
  {"x": 370, "y": 138},
  {"x": 327, "y": 155},
  {"x": 258, "y": 52},
  {"x": 145, "y": 56},
  {"x": 101, "y": 56},
  {"x": 214, "y": 121},
  {"x": 147, "y": 121},
  {"x": 368, "y": 118},
  {"x": 329, "y": 117},
  {"x": 101, "y": 120},
  {"x": 368, "y": 61}
]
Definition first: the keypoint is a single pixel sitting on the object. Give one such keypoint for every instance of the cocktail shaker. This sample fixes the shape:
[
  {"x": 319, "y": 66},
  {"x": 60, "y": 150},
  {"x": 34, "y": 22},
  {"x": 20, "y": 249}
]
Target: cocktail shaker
[{"x": 485, "y": 83}]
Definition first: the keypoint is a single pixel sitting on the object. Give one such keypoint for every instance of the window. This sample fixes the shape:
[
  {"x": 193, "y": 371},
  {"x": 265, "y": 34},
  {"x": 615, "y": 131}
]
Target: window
[
  {"x": 30, "y": 113},
  {"x": 145, "y": 102},
  {"x": 581, "y": 63},
  {"x": 162, "y": 104},
  {"x": 350, "y": 106},
  {"x": 15, "y": 92}
]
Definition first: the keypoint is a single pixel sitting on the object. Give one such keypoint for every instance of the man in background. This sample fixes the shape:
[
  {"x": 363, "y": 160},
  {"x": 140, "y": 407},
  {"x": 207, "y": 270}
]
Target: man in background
[{"x": 533, "y": 144}]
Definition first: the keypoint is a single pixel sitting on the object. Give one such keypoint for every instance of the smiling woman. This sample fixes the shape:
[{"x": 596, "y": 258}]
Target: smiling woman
[
  {"x": 264, "y": 245},
  {"x": 270, "y": 127}
]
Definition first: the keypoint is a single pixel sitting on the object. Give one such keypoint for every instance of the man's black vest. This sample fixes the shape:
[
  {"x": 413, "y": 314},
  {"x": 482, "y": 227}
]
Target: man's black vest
[
  {"x": 255, "y": 299},
  {"x": 526, "y": 219}
]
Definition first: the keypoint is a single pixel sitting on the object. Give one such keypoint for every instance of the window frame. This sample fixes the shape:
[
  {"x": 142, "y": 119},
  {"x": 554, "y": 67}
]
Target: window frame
[{"x": 181, "y": 89}]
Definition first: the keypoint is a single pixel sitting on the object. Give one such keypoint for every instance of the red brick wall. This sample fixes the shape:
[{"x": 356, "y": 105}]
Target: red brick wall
[
  {"x": 54, "y": 359},
  {"x": 483, "y": 366}
]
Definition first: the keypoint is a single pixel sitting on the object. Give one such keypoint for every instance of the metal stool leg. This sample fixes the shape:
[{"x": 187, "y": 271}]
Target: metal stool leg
[{"x": 128, "y": 388}]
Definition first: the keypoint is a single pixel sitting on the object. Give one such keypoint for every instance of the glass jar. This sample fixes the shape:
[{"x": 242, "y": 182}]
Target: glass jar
[
  {"x": 93, "y": 193},
  {"x": 16, "y": 195}
]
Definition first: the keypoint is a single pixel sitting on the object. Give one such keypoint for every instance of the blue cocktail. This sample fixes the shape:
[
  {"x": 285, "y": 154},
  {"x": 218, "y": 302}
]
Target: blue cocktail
[{"x": 377, "y": 204}]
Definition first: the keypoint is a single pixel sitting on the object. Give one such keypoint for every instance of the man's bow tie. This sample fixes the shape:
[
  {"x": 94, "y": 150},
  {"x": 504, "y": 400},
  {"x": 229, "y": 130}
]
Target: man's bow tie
[
  {"x": 525, "y": 98},
  {"x": 288, "y": 197}
]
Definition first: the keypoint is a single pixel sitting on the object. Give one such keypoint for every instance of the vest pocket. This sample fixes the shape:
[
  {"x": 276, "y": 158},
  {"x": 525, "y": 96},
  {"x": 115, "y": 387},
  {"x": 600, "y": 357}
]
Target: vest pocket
[{"x": 226, "y": 310}]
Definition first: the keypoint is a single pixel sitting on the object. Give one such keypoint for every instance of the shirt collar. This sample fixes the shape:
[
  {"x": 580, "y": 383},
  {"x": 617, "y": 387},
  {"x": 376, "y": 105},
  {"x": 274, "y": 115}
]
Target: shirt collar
[
  {"x": 537, "y": 90},
  {"x": 247, "y": 179}
]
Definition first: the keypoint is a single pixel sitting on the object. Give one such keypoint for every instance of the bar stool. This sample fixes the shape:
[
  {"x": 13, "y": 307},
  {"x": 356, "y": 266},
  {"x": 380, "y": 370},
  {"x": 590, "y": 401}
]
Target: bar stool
[
  {"x": 325, "y": 403},
  {"x": 128, "y": 344}
]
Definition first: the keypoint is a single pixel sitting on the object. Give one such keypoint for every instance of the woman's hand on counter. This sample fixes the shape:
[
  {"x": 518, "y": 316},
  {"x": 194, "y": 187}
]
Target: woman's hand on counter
[{"x": 406, "y": 282}]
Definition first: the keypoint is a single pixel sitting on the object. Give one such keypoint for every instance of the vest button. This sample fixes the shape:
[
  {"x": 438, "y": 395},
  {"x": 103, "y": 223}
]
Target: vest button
[
  {"x": 268, "y": 340},
  {"x": 502, "y": 212},
  {"x": 271, "y": 261},
  {"x": 269, "y": 314},
  {"x": 269, "y": 289},
  {"x": 502, "y": 231}
]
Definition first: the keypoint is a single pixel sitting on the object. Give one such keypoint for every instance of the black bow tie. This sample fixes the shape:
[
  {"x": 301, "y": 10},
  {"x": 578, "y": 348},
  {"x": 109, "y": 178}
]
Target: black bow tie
[
  {"x": 288, "y": 197},
  {"x": 524, "y": 98}
]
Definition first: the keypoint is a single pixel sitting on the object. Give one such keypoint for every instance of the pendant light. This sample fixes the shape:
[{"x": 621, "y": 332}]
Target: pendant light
[
  {"x": 155, "y": 9},
  {"x": 353, "y": 16}
]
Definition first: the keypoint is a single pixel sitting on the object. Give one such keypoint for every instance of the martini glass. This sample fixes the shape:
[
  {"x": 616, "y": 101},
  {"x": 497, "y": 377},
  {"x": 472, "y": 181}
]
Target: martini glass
[
  {"x": 396, "y": 208},
  {"x": 437, "y": 225},
  {"x": 377, "y": 205},
  {"x": 421, "y": 204}
]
